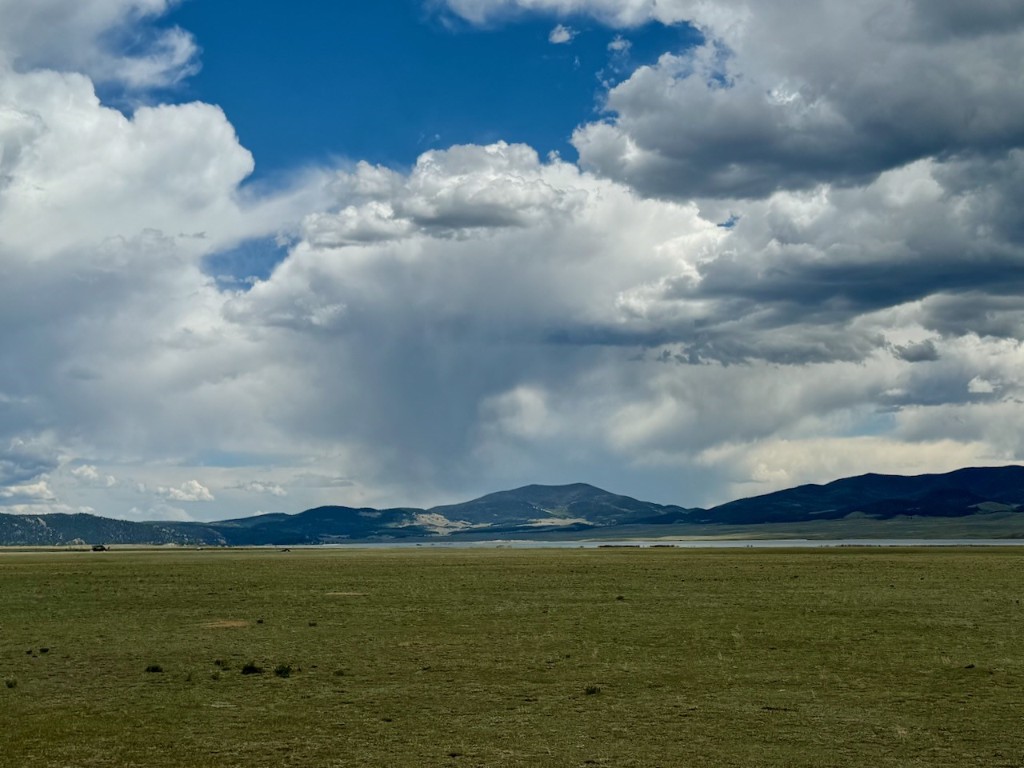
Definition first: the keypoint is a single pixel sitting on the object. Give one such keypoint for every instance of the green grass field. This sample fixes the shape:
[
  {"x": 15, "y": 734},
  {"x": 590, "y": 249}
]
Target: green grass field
[{"x": 653, "y": 657}]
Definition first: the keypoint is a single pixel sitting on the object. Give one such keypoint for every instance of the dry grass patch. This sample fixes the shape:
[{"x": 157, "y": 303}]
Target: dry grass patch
[{"x": 227, "y": 624}]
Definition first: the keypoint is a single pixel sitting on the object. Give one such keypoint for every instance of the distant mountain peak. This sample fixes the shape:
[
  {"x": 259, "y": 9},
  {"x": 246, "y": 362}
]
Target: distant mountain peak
[
  {"x": 556, "y": 510},
  {"x": 950, "y": 494}
]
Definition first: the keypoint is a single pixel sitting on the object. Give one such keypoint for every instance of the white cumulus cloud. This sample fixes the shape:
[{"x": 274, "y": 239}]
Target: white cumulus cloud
[
  {"x": 88, "y": 35},
  {"x": 89, "y": 475},
  {"x": 30, "y": 492},
  {"x": 259, "y": 486},
  {"x": 561, "y": 35},
  {"x": 189, "y": 491}
]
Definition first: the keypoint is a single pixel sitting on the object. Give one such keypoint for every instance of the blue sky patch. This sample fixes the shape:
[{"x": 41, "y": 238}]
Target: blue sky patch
[
  {"x": 306, "y": 83},
  {"x": 236, "y": 268}
]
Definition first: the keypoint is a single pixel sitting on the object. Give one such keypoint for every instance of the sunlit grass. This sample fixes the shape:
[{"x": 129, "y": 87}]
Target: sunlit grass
[{"x": 654, "y": 657}]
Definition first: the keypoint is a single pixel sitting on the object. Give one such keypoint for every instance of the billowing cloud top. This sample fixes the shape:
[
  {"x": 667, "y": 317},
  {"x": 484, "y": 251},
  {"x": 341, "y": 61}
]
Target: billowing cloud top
[
  {"x": 89, "y": 36},
  {"x": 789, "y": 253}
]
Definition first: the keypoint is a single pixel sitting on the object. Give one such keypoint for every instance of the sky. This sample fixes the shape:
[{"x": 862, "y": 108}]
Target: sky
[{"x": 266, "y": 256}]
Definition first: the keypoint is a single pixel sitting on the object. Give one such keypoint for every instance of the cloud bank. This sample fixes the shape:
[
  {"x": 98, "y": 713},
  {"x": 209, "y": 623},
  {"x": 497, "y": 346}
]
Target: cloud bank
[
  {"x": 782, "y": 257},
  {"x": 790, "y": 95}
]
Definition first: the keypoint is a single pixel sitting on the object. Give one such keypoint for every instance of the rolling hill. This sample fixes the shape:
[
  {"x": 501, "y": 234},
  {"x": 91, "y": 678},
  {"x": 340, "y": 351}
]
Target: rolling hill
[
  {"x": 992, "y": 497},
  {"x": 961, "y": 493}
]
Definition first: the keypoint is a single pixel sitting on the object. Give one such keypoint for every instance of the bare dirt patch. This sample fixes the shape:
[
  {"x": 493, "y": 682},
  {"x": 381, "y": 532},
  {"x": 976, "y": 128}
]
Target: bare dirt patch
[{"x": 227, "y": 624}]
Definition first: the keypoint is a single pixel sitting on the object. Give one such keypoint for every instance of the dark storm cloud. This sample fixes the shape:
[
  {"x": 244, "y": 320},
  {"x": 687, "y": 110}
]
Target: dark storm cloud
[
  {"x": 21, "y": 462},
  {"x": 832, "y": 293},
  {"x": 921, "y": 352},
  {"x": 977, "y": 313},
  {"x": 956, "y": 18},
  {"x": 741, "y": 117}
]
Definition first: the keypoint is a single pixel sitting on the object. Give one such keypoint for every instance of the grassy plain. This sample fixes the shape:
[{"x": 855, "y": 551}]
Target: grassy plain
[{"x": 608, "y": 657}]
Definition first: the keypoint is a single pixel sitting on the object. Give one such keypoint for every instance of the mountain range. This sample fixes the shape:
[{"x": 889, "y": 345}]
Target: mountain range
[{"x": 985, "y": 500}]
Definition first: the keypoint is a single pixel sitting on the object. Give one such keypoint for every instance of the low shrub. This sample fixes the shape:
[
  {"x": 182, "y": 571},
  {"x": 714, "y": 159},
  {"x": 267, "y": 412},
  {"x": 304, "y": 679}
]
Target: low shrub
[{"x": 252, "y": 669}]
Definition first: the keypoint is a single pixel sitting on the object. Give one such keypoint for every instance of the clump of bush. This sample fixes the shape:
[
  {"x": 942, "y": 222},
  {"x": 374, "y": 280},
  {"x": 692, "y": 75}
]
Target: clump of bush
[
  {"x": 252, "y": 669},
  {"x": 11, "y": 683},
  {"x": 283, "y": 670}
]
